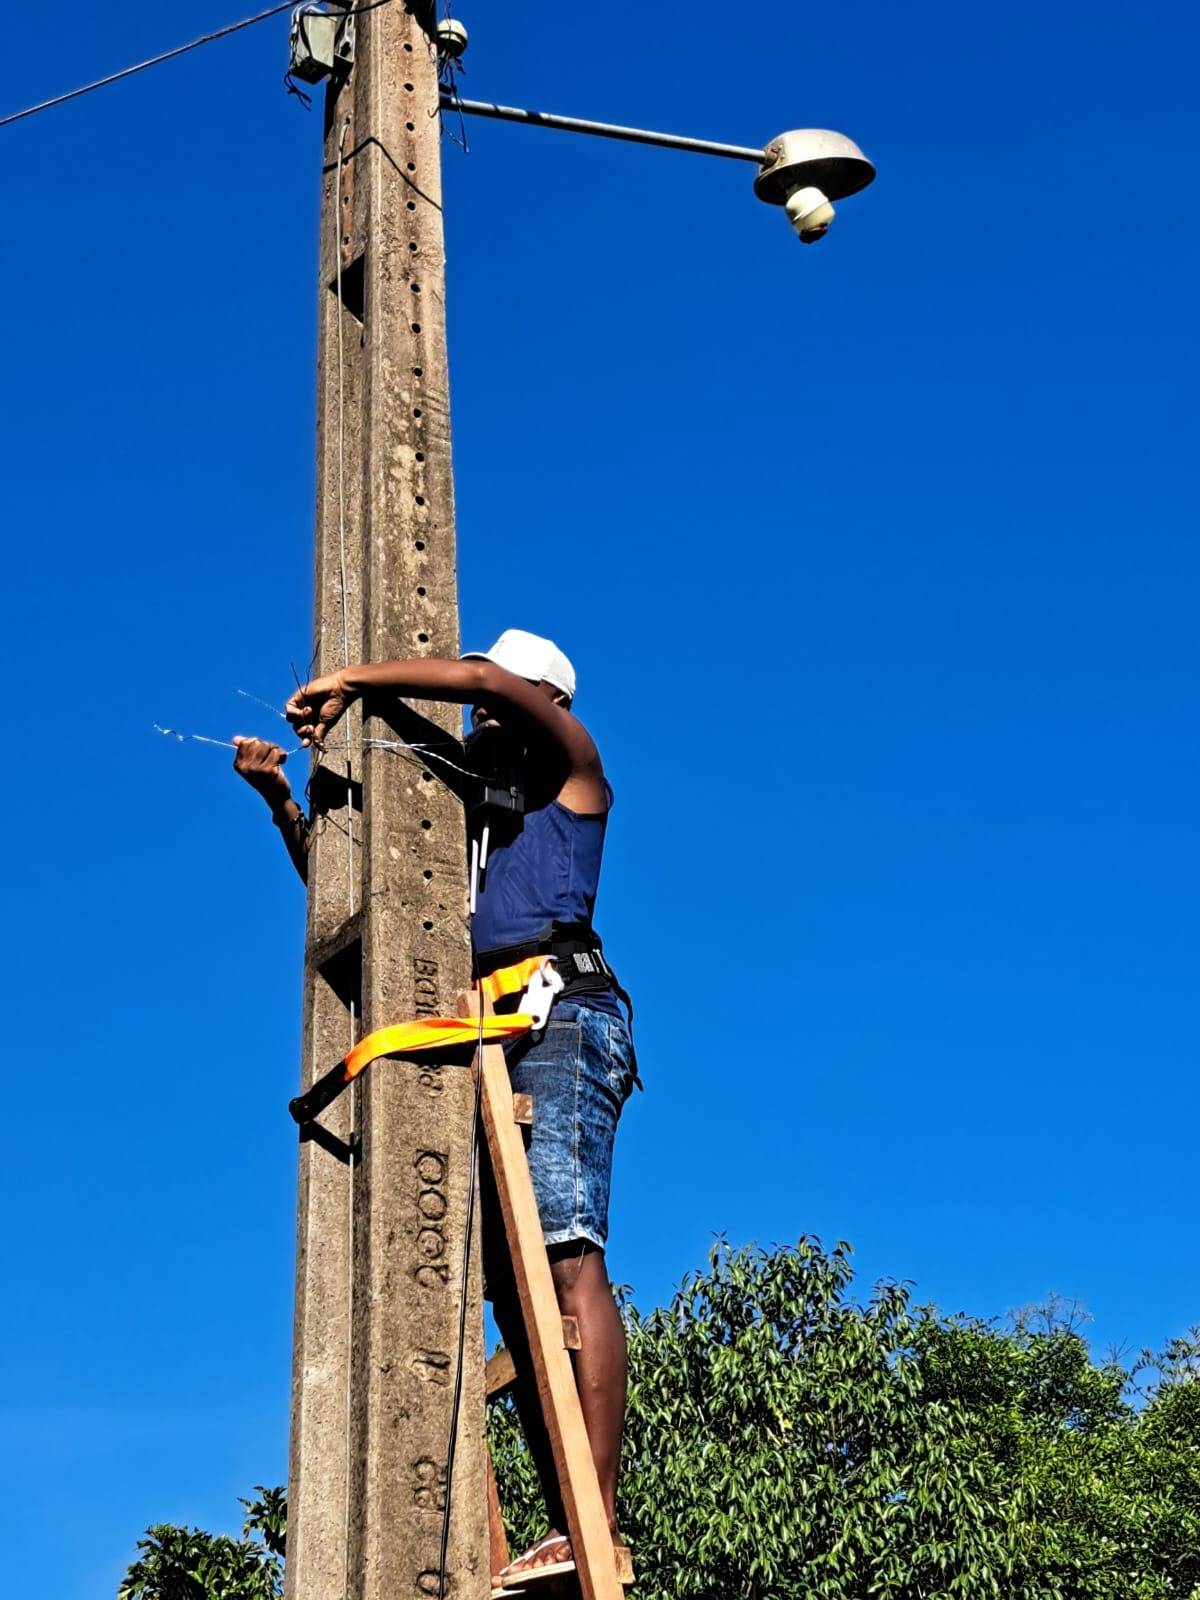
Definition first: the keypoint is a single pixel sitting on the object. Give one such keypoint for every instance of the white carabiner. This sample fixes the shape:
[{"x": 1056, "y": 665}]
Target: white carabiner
[{"x": 539, "y": 996}]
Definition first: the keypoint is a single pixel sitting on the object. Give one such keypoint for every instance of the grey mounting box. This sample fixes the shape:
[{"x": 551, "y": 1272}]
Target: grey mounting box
[{"x": 322, "y": 42}]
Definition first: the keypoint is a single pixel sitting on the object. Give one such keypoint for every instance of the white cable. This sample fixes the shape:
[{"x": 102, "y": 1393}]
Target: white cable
[
  {"x": 351, "y": 1165},
  {"x": 394, "y": 746}
]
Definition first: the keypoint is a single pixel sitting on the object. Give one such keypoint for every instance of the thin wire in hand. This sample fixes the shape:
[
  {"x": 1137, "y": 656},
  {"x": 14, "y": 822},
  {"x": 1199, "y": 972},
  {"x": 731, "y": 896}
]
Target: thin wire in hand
[
  {"x": 424, "y": 750},
  {"x": 394, "y": 745},
  {"x": 258, "y": 700},
  {"x": 193, "y": 738}
]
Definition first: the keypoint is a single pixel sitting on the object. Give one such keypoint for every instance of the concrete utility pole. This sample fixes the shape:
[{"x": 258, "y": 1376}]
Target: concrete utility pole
[
  {"x": 384, "y": 1180},
  {"x": 384, "y": 1176}
]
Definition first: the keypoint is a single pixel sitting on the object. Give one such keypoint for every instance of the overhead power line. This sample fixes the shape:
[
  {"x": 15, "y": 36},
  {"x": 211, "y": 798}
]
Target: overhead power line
[{"x": 141, "y": 66}]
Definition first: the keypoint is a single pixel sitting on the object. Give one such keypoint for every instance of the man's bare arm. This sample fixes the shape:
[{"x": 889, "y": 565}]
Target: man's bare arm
[
  {"x": 313, "y": 710},
  {"x": 261, "y": 764}
]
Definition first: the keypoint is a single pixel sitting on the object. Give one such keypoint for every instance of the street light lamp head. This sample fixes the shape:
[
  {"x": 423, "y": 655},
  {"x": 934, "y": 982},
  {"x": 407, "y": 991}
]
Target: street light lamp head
[{"x": 805, "y": 171}]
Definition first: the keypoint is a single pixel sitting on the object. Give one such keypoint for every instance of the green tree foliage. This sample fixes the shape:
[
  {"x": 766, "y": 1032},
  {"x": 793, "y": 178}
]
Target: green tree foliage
[
  {"x": 187, "y": 1564},
  {"x": 785, "y": 1442}
]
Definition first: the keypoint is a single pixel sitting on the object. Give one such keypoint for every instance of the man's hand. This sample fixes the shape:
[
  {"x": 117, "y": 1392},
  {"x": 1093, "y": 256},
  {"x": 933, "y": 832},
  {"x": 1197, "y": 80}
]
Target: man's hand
[
  {"x": 315, "y": 708},
  {"x": 261, "y": 764}
]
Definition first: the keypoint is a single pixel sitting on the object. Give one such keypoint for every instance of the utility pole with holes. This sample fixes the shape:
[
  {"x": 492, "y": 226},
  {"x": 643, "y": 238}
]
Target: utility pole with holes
[{"x": 384, "y": 1175}]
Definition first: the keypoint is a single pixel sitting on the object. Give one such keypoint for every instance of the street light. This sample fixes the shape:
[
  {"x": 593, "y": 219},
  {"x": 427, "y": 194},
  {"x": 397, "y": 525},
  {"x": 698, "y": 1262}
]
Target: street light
[{"x": 804, "y": 171}]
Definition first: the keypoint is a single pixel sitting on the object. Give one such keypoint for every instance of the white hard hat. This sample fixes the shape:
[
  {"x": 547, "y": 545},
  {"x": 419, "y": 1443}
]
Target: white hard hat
[{"x": 529, "y": 656}]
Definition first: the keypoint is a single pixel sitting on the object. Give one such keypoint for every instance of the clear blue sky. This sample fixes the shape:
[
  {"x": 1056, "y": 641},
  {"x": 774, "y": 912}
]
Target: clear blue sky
[{"x": 879, "y": 564}]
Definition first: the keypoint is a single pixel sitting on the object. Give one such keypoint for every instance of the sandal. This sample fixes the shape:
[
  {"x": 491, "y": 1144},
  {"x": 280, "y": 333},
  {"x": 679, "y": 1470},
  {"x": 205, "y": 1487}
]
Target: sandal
[{"x": 517, "y": 1574}]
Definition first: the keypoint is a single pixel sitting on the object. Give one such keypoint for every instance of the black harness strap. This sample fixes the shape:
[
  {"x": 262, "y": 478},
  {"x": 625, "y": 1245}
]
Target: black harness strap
[{"x": 578, "y": 953}]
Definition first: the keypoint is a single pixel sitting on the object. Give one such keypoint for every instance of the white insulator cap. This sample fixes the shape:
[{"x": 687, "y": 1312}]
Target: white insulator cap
[
  {"x": 810, "y": 213},
  {"x": 451, "y": 38}
]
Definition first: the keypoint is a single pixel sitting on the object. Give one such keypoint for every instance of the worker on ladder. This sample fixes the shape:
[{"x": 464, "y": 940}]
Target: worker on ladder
[{"x": 537, "y": 838}]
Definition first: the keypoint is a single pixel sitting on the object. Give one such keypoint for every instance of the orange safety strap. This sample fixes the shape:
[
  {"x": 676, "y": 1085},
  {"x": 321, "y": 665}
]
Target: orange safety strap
[
  {"x": 510, "y": 980},
  {"x": 432, "y": 1033}
]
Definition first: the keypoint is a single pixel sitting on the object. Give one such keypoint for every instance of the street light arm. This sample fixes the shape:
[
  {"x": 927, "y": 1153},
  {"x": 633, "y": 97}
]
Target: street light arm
[{"x": 601, "y": 130}]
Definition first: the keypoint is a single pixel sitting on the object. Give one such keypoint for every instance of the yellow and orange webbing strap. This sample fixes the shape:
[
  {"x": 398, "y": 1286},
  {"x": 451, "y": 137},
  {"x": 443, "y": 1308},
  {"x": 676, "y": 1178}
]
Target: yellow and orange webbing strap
[
  {"x": 510, "y": 980},
  {"x": 430, "y": 1033},
  {"x": 425, "y": 1033}
]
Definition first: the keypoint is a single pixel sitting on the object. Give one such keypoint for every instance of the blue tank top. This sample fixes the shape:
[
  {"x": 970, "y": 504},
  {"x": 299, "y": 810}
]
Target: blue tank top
[{"x": 547, "y": 872}]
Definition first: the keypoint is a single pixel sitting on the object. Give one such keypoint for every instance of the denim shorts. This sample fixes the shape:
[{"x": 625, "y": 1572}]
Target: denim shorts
[{"x": 580, "y": 1073}]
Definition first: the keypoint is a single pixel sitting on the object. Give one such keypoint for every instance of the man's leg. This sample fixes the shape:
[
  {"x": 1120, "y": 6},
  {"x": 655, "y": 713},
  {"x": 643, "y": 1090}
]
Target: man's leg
[
  {"x": 506, "y": 1309},
  {"x": 584, "y": 1292},
  {"x": 576, "y": 1076}
]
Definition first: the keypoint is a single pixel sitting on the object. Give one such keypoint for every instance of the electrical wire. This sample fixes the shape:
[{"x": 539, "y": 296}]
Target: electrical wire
[
  {"x": 352, "y": 1165},
  {"x": 392, "y": 746},
  {"x": 169, "y": 55},
  {"x": 141, "y": 66},
  {"x": 464, "y": 1285}
]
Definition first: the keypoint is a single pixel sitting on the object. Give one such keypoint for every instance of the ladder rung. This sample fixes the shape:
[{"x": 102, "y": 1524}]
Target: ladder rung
[{"x": 500, "y": 1373}]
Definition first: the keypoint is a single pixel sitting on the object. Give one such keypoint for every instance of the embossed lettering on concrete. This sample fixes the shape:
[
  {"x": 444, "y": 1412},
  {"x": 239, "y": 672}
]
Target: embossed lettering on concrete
[
  {"x": 431, "y": 1366},
  {"x": 431, "y": 1266},
  {"x": 429, "y": 1485},
  {"x": 426, "y": 1000}
]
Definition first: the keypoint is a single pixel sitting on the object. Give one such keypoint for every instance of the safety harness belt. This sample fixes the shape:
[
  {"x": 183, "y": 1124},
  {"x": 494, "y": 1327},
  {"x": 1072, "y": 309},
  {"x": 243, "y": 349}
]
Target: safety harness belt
[{"x": 533, "y": 978}]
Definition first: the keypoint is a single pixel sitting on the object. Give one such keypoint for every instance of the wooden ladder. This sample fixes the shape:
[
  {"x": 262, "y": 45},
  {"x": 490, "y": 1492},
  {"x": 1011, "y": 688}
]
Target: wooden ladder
[{"x": 601, "y": 1570}]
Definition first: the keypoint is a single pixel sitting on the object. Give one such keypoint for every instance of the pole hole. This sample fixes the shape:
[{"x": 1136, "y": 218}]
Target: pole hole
[
  {"x": 421, "y": 590},
  {"x": 419, "y": 543},
  {"x": 423, "y": 638},
  {"x": 427, "y": 875},
  {"x": 411, "y": 126},
  {"x": 411, "y": 204},
  {"x": 426, "y": 824},
  {"x": 353, "y": 286},
  {"x": 420, "y": 455},
  {"x": 420, "y": 499},
  {"x": 417, "y": 373},
  {"x": 416, "y": 411},
  {"x": 427, "y": 925}
]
